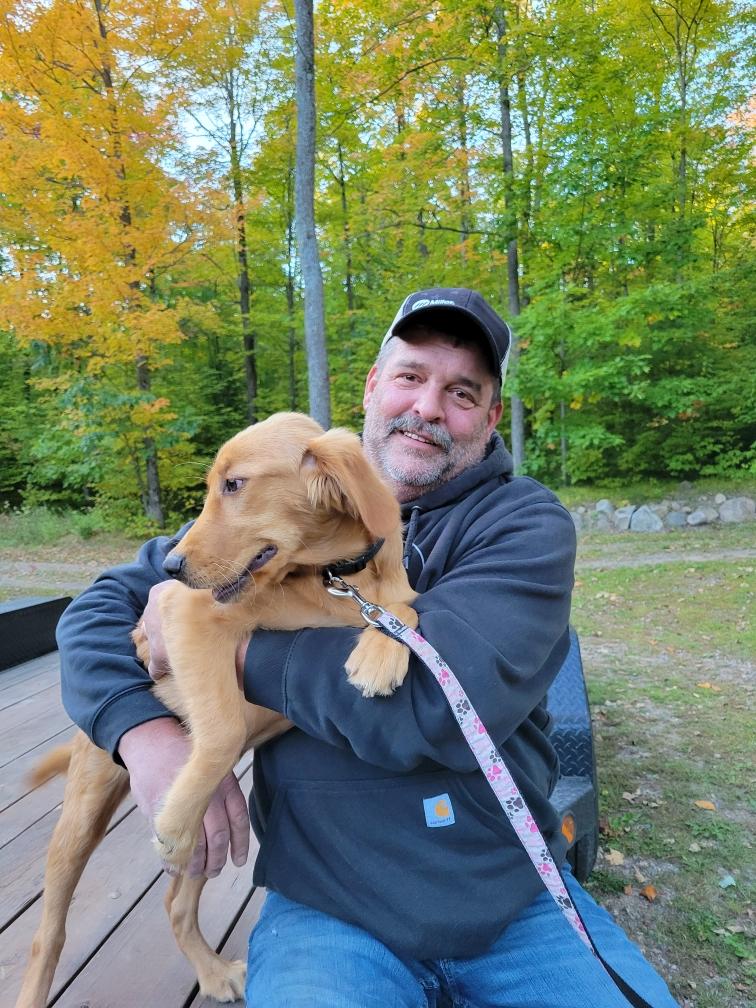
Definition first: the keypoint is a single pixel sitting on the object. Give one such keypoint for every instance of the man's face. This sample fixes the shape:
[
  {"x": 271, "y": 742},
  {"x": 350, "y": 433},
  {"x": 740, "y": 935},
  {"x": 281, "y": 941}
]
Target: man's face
[{"x": 428, "y": 412}]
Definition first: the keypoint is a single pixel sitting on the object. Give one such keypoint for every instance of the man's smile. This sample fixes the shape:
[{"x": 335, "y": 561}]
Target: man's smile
[{"x": 413, "y": 436}]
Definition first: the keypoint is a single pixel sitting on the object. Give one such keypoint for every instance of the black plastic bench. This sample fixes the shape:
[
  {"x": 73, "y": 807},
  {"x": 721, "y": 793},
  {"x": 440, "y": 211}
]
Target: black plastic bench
[
  {"x": 27, "y": 628},
  {"x": 576, "y": 794}
]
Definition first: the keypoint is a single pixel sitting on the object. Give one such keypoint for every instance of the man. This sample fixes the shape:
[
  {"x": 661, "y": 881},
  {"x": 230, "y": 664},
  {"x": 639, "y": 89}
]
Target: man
[{"x": 393, "y": 876}]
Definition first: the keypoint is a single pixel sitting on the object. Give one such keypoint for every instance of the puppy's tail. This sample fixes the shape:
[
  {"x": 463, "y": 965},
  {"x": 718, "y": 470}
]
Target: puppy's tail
[{"x": 56, "y": 762}]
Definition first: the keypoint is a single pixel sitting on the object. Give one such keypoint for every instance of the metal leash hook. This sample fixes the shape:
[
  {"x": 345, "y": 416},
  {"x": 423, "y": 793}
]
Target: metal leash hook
[{"x": 341, "y": 589}]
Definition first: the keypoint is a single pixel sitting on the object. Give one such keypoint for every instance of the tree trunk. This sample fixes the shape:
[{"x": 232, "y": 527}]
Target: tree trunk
[
  {"x": 517, "y": 408},
  {"x": 150, "y": 492},
  {"x": 465, "y": 196},
  {"x": 290, "y": 299},
  {"x": 314, "y": 315},
  {"x": 248, "y": 336},
  {"x": 151, "y": 495},
  {"x": 348, "y": 282}
]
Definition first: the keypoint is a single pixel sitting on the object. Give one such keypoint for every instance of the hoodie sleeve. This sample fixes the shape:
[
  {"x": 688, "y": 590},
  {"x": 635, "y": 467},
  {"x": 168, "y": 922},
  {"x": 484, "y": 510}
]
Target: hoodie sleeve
[
  {"x": 105, "y": 689},
  {"x": 498, "y": 615}
]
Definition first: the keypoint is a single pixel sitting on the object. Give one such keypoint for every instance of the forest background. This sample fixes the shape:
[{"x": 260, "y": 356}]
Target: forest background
[{"x": 588, "y": 166}]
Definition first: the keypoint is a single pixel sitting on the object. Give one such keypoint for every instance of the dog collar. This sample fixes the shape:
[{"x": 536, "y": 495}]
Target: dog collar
[{"x": 342, "y": 567}]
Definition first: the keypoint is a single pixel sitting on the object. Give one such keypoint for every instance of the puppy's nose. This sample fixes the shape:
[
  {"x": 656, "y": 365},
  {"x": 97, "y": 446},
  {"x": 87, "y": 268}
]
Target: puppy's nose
[{"x": 174, "y": 564}]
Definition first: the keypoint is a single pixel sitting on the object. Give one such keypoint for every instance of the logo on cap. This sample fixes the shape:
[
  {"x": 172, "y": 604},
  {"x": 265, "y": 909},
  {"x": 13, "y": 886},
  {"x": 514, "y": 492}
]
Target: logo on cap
[{"x": 424, "y": 302}]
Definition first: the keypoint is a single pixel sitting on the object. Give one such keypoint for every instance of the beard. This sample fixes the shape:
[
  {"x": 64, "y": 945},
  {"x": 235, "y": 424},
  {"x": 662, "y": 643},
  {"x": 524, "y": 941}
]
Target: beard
[{"x": 411, "y": 470}]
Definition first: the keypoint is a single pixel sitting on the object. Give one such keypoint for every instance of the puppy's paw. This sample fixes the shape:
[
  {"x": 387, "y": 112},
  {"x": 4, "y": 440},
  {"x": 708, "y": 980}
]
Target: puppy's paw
[
  {"x": 139, "y": 636},
  {"x": 378, "y": 664},
  {"x": 174, "y": 840},
  {"x": 224, "y": 980}
]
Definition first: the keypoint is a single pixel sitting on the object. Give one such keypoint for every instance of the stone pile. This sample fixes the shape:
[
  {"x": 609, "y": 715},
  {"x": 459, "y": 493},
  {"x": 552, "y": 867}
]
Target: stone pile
[{"x": 708, "y": 509}]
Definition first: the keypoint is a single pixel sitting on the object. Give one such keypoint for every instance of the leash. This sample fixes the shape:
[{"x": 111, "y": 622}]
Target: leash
[{"x": 489, "y": 760}]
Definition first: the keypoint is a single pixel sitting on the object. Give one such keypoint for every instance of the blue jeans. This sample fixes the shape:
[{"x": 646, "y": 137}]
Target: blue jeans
[{"x": 301, "y": 958}]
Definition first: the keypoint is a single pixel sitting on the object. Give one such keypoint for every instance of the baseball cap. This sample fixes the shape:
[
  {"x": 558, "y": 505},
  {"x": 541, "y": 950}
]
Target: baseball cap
[{"x": 465, "y": 310}]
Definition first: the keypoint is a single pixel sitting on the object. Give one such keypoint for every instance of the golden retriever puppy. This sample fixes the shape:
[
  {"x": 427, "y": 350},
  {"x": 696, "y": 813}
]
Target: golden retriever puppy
[{"x": 284, "y": 501}]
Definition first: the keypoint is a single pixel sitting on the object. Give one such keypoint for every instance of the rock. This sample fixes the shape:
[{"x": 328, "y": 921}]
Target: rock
[
  {"x": 737, "y": 509},
  {"x": 622, "y": 517},
  {"x": 720, "y": 498},
  {"x": 644, "y": 520},
  {"x": 676, "y": 519},
  {"x": 578, "y": 520},
  {"x": 582, "y": 509},
  {"x": 605, "y": 506},
  {"x": 703, "y": 516},
  {"x": 661, "y": 509},
  {"x": 685, "y": 485},
  {"x": 601, "y": 522}
]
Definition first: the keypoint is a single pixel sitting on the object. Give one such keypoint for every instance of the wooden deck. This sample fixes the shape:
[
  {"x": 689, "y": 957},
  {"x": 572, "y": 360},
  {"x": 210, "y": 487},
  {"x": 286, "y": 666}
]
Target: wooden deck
[{"x": 120, "y": 951}]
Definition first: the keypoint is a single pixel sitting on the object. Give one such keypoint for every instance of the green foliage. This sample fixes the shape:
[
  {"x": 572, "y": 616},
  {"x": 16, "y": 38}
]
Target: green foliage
[{"x": 628, "y": 199}]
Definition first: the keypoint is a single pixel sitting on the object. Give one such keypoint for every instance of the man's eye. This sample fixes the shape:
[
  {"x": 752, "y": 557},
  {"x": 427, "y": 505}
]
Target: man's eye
[{"x": 231, "y": 486}]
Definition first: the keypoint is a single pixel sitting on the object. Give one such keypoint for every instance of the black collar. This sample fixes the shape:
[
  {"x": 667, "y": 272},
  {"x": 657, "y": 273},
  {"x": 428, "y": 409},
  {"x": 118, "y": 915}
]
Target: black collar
[{"x": 342, "y": 567}]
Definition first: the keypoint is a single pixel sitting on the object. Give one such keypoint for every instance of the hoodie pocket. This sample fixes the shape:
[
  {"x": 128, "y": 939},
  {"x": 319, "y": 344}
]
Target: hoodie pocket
[{"x": 415, "y": 860}]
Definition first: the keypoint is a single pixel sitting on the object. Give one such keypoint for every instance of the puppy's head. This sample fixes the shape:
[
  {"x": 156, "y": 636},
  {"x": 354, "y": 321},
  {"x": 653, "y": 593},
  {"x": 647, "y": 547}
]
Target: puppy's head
[{"x": 283, "y": 494}]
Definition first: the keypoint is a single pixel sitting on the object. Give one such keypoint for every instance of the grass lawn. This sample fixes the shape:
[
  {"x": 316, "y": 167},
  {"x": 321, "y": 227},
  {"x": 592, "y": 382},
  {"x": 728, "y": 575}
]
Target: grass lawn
[{"x": 669, "y": 650}]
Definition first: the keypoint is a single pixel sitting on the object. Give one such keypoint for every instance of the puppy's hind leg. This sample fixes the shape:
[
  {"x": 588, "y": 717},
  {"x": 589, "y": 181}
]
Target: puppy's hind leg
[
  {"x": 219, "y": 978},
  {"x": 94, "y": 789}
]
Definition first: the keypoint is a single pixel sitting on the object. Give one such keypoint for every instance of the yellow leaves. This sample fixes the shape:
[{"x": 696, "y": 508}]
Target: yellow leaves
[
  {"x": 146, "y": 415},
  {"x": 577, "y": 402},
  {"x": 707, "y": 805},
  {"x": 649, "y": 892}
]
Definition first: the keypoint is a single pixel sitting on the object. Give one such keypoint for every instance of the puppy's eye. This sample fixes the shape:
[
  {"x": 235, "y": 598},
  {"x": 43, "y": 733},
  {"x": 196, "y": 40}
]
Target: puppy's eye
[{"x": 231, "y": 486}]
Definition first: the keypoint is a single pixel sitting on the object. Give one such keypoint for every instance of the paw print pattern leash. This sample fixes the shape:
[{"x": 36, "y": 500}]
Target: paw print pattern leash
[{"x": 489, "y": 760}]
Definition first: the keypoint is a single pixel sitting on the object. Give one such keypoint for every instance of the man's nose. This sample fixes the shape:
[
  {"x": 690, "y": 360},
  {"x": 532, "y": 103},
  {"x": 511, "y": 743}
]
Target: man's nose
[{"x": 428, "y": 404}]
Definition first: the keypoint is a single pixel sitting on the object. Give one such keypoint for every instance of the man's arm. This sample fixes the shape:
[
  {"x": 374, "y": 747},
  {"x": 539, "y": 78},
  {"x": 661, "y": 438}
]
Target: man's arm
[
  {"x": 105, "y": 689},
  {"x": 108, "y": 694},
  {"x": 498, "y": 616}
]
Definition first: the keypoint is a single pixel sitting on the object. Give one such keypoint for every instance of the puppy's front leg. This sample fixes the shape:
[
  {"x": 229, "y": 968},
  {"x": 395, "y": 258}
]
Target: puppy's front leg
[
  {"x": 201, "y": 640},
  {"x": 378, "y": 663}
]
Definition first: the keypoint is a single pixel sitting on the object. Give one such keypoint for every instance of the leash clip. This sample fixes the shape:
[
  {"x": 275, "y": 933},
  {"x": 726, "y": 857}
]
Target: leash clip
[{"x": 337, "y": 586}]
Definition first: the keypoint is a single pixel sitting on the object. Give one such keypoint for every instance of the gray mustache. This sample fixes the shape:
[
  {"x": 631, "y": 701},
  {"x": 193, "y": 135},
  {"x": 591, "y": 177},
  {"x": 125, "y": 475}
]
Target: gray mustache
[{"x": 433, "y": 432}]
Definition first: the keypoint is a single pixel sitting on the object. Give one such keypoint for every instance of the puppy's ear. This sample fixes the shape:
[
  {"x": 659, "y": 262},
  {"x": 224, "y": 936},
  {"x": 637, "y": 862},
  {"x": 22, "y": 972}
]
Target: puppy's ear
[{"x": 340, "y": 478}]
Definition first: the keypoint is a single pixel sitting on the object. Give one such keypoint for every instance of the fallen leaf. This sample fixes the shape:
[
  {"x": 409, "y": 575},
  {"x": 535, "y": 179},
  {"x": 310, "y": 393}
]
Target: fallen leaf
[
  {"x": 628, "y": 890},
  {"x": 630, "y": 795},
  {"x": 639, "y": 876},
  {"x": 649, "y": 893},
  {"x": 708, "y": 685},
  {"x": 615, "y": 857},
  {"x": 727, "y": 882},
  {"x": 709, "y": 806}
]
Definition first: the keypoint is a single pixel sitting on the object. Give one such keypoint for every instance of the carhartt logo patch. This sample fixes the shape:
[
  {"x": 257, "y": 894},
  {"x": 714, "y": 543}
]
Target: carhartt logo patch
[{"x": 438, "y": 811}]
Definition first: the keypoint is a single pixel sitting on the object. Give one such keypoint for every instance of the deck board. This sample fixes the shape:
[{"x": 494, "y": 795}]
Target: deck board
[{"x": 119, "y": 951}]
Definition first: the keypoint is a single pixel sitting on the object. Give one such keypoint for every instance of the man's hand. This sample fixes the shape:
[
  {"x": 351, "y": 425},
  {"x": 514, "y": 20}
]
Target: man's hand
[{"x": 153, "y": 753}]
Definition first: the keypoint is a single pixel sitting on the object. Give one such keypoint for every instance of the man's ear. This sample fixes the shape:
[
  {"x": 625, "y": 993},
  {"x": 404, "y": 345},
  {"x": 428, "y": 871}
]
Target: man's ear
[
  {"x": 494, "y": 415},
  {"x": 370, "y": 381},
  {"x": 340, "y": 478}
]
